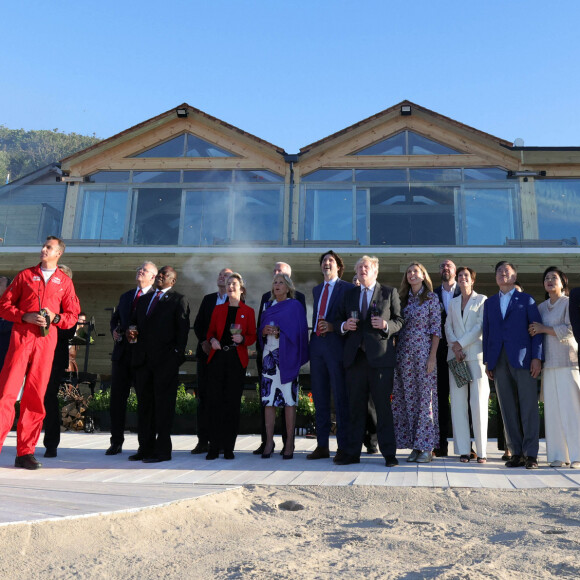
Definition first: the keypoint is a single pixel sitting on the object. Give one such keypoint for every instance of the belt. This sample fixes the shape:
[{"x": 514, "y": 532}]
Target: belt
[{"x": 230, "y": 347}]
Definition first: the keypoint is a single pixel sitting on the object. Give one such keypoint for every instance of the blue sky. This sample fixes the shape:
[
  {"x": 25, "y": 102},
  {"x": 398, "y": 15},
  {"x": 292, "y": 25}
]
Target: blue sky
[{"x": 292, "y": 72}]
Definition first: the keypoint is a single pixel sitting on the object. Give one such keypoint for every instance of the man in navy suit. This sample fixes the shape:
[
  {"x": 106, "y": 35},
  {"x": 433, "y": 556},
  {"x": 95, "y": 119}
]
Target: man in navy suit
[
  {"x": 369, "y": 357},
  {"x": 279, "y": 268},
  {"x": 513, "y": 359},
  {"x": 446, "y": 292},
  {"x": 200, "y": 327},
  {"x": 326, "y": 348},
  {"x": 122, "y": 374}
]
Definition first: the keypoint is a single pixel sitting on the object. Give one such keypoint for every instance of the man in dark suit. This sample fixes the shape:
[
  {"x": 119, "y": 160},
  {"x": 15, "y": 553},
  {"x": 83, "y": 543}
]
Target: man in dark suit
[
  {"x": 513, "y": 359},
  {"x": 162, "y": 320},
  {"x": 446, "y": 292},
  {"x": 279, "y": 268},
  {"x": 200, "y": 327},
  {"x": 122, "y": 373},
  {"x": 369, "y": 357},
  {"x": 326, "y": 349},
  {"x": 574, "y": 308}
]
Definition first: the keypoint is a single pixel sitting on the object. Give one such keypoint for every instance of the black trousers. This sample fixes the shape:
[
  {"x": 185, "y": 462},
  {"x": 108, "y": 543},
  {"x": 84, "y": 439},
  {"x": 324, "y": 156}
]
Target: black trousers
[
  {"x": 443, "y": 397},
  {"x": 362, "y": 380},
  {"x": 53, "y": 416},
  {"x": 122, "y": 379},
  {"x": 225, "y": 387},
  {"x": 156, "y": 395},
  {"x": 202, "y": 401}
]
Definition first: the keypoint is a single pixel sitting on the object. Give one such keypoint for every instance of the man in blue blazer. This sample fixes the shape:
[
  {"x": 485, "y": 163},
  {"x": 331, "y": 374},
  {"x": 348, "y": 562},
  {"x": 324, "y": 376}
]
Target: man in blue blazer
[
  {"x": 513, "y": 359},
  {"x": 326, "y": 348}
]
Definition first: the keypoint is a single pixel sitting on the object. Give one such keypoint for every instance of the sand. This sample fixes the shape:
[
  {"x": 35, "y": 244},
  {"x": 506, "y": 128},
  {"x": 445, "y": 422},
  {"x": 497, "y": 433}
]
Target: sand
[{"x": 346, "y": 532}]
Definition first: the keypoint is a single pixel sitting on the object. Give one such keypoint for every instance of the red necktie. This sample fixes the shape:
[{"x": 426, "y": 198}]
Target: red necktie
[
  {"x": 322, "y": 309},
  {"x": 136, "y": 299},
  {"x": 154, "y": 302}
]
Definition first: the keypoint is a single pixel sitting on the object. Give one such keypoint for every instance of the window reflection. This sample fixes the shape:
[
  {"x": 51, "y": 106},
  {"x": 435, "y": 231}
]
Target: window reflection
[
  {"x": 489, "y": 217},
  {"x": 103, "y": 215},
  {"x": 558, "y": 203},
  {"x": 157, "y": 217},
  {"x": 257, "y": 215},
  {"x": 329, "y": 214},
  {"x": 205, "y": 221}
]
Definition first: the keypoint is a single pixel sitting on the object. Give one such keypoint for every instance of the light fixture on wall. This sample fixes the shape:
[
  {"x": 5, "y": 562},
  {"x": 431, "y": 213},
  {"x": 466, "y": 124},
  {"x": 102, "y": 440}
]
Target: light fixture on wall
[
  {"x": 406, "y": 110},
  {"x": 525, "y": 174},
  {"x": 181, "y": 112}
]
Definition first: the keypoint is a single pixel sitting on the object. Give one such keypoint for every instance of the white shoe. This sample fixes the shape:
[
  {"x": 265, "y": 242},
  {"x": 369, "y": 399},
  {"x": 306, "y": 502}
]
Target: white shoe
[
  {"x": 575, "y": 465},
  {"x": 558, "y": 463}
]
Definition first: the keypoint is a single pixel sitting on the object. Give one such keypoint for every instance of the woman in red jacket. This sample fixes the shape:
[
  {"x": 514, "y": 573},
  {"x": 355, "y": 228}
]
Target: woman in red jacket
[{"x": 231, "y": 330}]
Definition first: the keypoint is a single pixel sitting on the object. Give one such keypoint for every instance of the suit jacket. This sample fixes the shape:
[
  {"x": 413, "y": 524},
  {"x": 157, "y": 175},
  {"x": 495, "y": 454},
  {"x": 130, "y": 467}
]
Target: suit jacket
[
  {"x": 244, "y": 317},
  {"x": 439, "y": 292},
  {"x": 332, "y": 341},
  {"x": 466, "y": 329},
  {"x": 163, "y": 334},
  {"x": 379, "y": 344},
  {"x": 121, "y": 318},
  {"x": 574, "y": 311},
  {"x": 511, "y": 332},
  {"x": 202, "y": 320}
]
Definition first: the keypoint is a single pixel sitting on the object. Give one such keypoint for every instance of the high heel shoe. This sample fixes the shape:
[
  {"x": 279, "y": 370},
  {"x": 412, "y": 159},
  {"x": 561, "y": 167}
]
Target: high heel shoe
[
  {"x": 290, "y": 455},
  {"x": 268, "y": 455}
]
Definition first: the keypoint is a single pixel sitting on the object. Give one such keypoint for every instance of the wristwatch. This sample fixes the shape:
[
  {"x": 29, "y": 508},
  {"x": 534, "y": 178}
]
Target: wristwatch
[{"x": 56, "y": 319}]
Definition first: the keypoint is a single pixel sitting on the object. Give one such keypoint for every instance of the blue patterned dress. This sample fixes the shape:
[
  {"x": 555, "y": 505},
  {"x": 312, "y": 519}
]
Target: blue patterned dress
[{"x": 415, "y": 408}]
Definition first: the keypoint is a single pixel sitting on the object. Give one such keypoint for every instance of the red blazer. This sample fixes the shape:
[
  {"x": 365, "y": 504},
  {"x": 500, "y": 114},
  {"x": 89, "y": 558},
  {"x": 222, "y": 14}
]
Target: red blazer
[{"x": 245, "y": 317}]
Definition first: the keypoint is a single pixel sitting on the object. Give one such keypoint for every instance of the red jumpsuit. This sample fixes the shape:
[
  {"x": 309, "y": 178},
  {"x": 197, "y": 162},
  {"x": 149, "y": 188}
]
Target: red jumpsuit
[{"x": 30, "y": 354}]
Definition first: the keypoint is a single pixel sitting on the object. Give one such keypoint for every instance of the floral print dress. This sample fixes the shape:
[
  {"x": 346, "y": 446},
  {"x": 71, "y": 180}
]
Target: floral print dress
[{"x": 415, "y": 409}]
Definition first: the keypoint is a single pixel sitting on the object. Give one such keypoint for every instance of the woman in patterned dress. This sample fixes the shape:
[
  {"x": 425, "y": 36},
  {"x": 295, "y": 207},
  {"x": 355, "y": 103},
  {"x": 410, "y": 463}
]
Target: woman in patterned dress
[
  {"x": 284, "y": 336},
  {"x": 415, "y": 410}
]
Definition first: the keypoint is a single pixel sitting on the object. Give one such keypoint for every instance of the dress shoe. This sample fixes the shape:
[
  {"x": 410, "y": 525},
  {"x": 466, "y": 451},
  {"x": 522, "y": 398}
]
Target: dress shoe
[
  {"x": 260, "y": 449},
  {"x": 348, "y": 460},
  {"x": 340, "y": 454},
  {"x": 507, "y": 455},
  {"x": 575, "y": 465},
  {"x": 268, "y": 455},
  {"x": 515, "y": 461},
  {"x": 413, "y": 456},
  {"x": 442, "y": 452},
  {"x": 372, "y": 449},
  {"x": 425, "y": 457},
  {"x": 229, "y": 455},
  {"x": 157, "y": 459},
  {"x": 27, "y": 462},
  {"x": 199, "y": 449},
  {"x": 114, "y": 450},
  {"x": 211, "y": 455},
  {"x": 391, "y": 461},
  {"x": 319, "y": 453},
  {"x": 137, "y": 456},
  {"x": 50, "y": 452},
  {"x": 558, "y": 463},
  {"x": 531, "y": 462}
]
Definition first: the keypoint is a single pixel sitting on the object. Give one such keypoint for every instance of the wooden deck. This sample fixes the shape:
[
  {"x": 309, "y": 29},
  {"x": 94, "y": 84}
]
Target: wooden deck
[{"x": 82, "y": 480}]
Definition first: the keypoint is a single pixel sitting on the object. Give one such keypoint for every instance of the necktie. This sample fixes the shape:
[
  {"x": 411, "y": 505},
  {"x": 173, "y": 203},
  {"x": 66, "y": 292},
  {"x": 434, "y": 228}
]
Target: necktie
[
  {"x": 365, "y": 305},
  {"x": 322, "y": 309},
  {"x": 136, "y": 299},
  {"x": 154, "y": 302}
]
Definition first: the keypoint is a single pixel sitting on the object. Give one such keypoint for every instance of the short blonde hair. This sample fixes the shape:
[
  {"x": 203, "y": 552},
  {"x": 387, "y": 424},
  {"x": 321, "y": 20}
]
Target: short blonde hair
[
  {"x": 372, "y": 259},
  {"x": 289, "y": 285},
  {"x": 239, "y": 278}
]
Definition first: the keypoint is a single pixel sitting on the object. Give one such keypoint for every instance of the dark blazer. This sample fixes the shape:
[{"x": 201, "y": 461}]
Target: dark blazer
[
  {"x": 439, "y": 292},
  {"x": 245, "y": 317},
  {"x": 202, "y": 320},
  {"x": 163, "y": 334},
  {"x": 511, "y": 332},
  {"x": 379, "y": 345},
  {"x": 574, "y": 307},
  {"x": 122, "y": 317}
]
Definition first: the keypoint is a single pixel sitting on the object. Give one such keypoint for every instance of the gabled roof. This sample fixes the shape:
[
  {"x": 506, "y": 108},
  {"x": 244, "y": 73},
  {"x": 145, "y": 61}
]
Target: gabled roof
[
  {"x": 165, "y": 117},
  {"x": 30, "y": 177},
  {"x": 395, "y": 110}
]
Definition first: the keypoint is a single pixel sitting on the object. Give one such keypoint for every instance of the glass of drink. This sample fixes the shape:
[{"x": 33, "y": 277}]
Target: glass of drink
[
  {"x": 134, "y": 333},
  {"x": 354, "y": 314},
  {"x": 236, "y": 329}
]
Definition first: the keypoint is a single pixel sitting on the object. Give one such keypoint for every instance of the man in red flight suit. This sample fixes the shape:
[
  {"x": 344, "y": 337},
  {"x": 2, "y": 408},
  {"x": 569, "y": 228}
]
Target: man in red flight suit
[{"x": 30, "y": 353}]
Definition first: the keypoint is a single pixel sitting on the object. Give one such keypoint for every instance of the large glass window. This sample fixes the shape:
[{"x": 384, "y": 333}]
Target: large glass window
[
  {"x": 186, "y": 145},
  {"x": 558, "y": 202},
  {"x": 206, "y": 218},
  {"x": 157, "y": 217},
  {"x": 407, "y": 143},
  {"x": 257, "y": 215},
  {"x": 103, "y": 214},
  {"x": 489, "y": 216},
  {"x": 329, "y": 214}
]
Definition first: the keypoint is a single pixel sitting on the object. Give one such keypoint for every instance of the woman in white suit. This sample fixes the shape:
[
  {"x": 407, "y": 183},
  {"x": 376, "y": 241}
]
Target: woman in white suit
[{"x": 463, "y": 329}]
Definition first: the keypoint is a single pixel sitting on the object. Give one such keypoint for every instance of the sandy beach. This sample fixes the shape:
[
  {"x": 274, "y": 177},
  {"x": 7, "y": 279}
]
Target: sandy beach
[{"x": 371, "y": 532}]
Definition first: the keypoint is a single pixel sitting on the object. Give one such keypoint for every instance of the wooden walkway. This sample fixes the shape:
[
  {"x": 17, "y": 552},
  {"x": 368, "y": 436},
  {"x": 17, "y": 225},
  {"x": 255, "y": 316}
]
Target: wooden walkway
[{"x": 82, "y": 480}]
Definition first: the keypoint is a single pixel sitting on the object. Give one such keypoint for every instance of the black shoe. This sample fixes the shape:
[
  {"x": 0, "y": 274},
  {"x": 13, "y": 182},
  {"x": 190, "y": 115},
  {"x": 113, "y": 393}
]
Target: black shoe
[
  {"x": 515, "y": 461},
  {"x": 267, "y": 455},
  {"x": 391, "y": 461},
  {"x": 347, "y": 460},
  {"x": 50, "y": 452},
  {"x": 531, "y": 462},
  {"x": 289, "y": 456},
  {"x": 199, "y": 449},
  {"x": 114, "y": 449},
  {"x": 157, "y": 459},
  {"x": 211, "y": 455},
  {"x": 441, "y": 452},
  {"x": 27, "y": 462},
  {"x": 372, "y": 449},
  {"x": 340, "y": 455},
  {"x": 260, "y": 449},
  {"x": 229, "y": 455},
  {"x": 319, "y": 453},
  {"x": 137, "y": 457}
]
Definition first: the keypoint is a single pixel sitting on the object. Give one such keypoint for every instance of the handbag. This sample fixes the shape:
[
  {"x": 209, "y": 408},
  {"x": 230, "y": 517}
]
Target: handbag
[{"x": 460, "y": 372}]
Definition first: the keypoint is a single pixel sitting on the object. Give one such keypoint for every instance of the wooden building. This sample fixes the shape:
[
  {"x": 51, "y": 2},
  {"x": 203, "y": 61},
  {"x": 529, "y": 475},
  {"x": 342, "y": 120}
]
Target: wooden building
[{"x": 191, "y": 191}]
